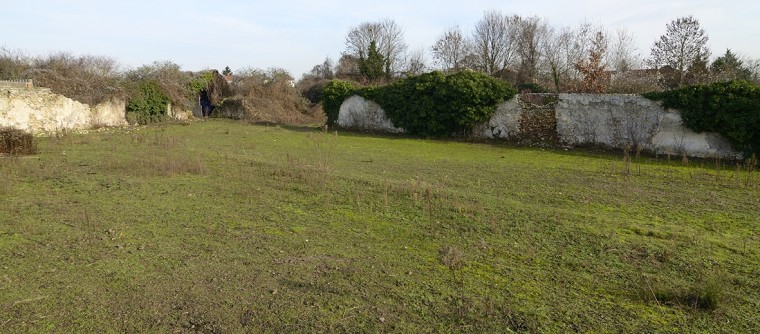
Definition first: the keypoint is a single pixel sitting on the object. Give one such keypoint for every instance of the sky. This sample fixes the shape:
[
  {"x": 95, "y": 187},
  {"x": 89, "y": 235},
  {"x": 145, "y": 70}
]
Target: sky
[{"x": 297, "y": 34}]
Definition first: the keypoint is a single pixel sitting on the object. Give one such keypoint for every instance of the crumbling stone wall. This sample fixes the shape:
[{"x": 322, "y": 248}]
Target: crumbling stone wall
[
  {"x": 40, "y": 111},
  {"x": 538, "y": 120}
]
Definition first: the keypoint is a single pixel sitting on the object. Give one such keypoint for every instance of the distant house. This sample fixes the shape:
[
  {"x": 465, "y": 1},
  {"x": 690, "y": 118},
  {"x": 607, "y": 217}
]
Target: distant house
[{"x": 229, "y": 78}]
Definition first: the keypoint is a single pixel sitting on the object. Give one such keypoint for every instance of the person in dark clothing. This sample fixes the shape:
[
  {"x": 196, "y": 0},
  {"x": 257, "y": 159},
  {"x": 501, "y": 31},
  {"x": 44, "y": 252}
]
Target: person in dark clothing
[{"x": 205, "y": 102}]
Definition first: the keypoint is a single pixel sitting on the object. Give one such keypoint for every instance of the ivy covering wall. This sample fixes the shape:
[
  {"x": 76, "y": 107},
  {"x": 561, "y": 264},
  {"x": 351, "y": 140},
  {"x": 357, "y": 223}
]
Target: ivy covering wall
[{"x": 432, "y": 104}]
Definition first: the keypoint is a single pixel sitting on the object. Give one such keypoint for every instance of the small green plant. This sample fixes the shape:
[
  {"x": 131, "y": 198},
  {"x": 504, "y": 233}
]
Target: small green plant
[
  {"x": 17, "y": 142},
  {"x": 453, "y": 259},
  {"x": 201, "y": 82}
]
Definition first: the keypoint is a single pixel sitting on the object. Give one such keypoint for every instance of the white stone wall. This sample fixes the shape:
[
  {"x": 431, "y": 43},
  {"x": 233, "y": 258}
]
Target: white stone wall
[
  {"x": 608, "y": 119},
  {"x": 40, "y": 111},
  {"x": 617, "y": 120},
  {"x": 358, "y": 113},
  {"x": 675, "y": 139},
  {"x": 613, "y": 120},
  {"x": 504, "y": 124}
]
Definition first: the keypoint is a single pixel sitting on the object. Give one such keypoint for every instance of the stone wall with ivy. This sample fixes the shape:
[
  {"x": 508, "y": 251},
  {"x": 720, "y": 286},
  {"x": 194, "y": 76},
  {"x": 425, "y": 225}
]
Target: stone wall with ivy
[{"x": 609, "y": 120}]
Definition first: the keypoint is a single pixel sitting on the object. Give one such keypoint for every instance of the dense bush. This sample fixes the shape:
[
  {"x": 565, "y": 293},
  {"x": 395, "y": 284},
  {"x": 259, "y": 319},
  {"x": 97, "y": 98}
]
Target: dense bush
[
  {"x": 16, "y": 142},
  {"x": 333, "y": 96},
  {"x": 435, "y": 104},
  {"x": 147, "y": 102},
  {"x": 730, "y": 108}
]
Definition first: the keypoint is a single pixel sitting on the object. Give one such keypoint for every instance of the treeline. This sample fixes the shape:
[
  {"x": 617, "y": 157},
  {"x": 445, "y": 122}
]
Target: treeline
[{"x": 529, "y": 50}]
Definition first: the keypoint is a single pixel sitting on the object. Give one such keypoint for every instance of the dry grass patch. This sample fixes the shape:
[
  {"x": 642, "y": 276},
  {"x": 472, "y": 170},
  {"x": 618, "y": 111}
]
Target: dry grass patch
[{"x": 16, "y": 142}]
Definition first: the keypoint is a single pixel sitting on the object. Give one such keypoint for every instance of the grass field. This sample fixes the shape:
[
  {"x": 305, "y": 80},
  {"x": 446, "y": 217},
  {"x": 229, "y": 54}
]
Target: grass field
[{"x": 225, "y": 227}]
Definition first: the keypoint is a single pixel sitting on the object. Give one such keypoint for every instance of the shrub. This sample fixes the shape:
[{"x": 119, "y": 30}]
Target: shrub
[
  {"x": 312, "y": 89},
  {"x": 435, "y": 104},
  {"x": 730, "y": 108},
  {"x": 333, "y": 96},
  {"x": 148, "y": 102},
  {"x": 16, "y": 142},
  {"x": 87, "y": 79},
  {"x": 531, "y": 88}
]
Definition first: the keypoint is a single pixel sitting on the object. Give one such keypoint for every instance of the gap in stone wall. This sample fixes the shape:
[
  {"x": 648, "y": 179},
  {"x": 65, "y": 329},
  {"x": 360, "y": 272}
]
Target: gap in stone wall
[{"x": 538, "y": 120}]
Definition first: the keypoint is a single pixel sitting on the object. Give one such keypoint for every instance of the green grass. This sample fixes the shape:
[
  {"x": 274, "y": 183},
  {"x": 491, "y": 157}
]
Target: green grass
[{"x": 221, "y": 227}]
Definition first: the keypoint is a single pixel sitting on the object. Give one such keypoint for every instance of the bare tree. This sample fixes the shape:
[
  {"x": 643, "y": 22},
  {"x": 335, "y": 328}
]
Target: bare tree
[
  {"x": 386, "y": 34},
  {"x": 321, "y": 71},
  {"x": 563, "y": 48},
  {"x": 392, "y": 45},
  {"x": 450, "y": 49},
  {"x": 626, "y": 64},
  {"x": 493, "y": 41},
  {"x": 531, "y": 31},
  {"x": 684, "y": 43},
  {"x": 753, "y": 66},
  {"x": 623, "y": 54},
  {"x": 360, "y": 37},
  {"x": 348, "y": 67},
  {"x": 556, "y": 48},
  {"x": 416, "y": 63}
]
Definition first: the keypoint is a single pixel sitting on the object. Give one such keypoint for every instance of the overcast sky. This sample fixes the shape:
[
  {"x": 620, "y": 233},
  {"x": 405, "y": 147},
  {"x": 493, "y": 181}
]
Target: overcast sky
[{"x": 297, "y": 34}]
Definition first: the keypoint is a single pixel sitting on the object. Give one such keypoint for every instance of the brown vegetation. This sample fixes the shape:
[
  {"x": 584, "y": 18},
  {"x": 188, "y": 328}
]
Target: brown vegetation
[
  {"x": 16, "y": 142},
  {"x": 269, "y": 97}
]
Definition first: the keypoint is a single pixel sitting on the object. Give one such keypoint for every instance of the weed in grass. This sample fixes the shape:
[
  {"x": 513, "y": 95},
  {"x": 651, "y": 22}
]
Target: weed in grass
[
  {"x": 627, "y": 160},
  {"x": 750, "y": 164},
  {"x": 718, "y": 167},
  {"x": 453, "y": 258},
  {"x": 638, "y": 158},
  {"x": 704, "y": 294}
]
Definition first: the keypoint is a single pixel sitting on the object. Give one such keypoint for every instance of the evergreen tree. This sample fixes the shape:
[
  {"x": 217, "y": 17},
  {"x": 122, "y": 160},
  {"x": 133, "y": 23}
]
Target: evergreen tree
[
  {"x": 373, "y": 67},
  {"x": 729, "y": 67}
]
